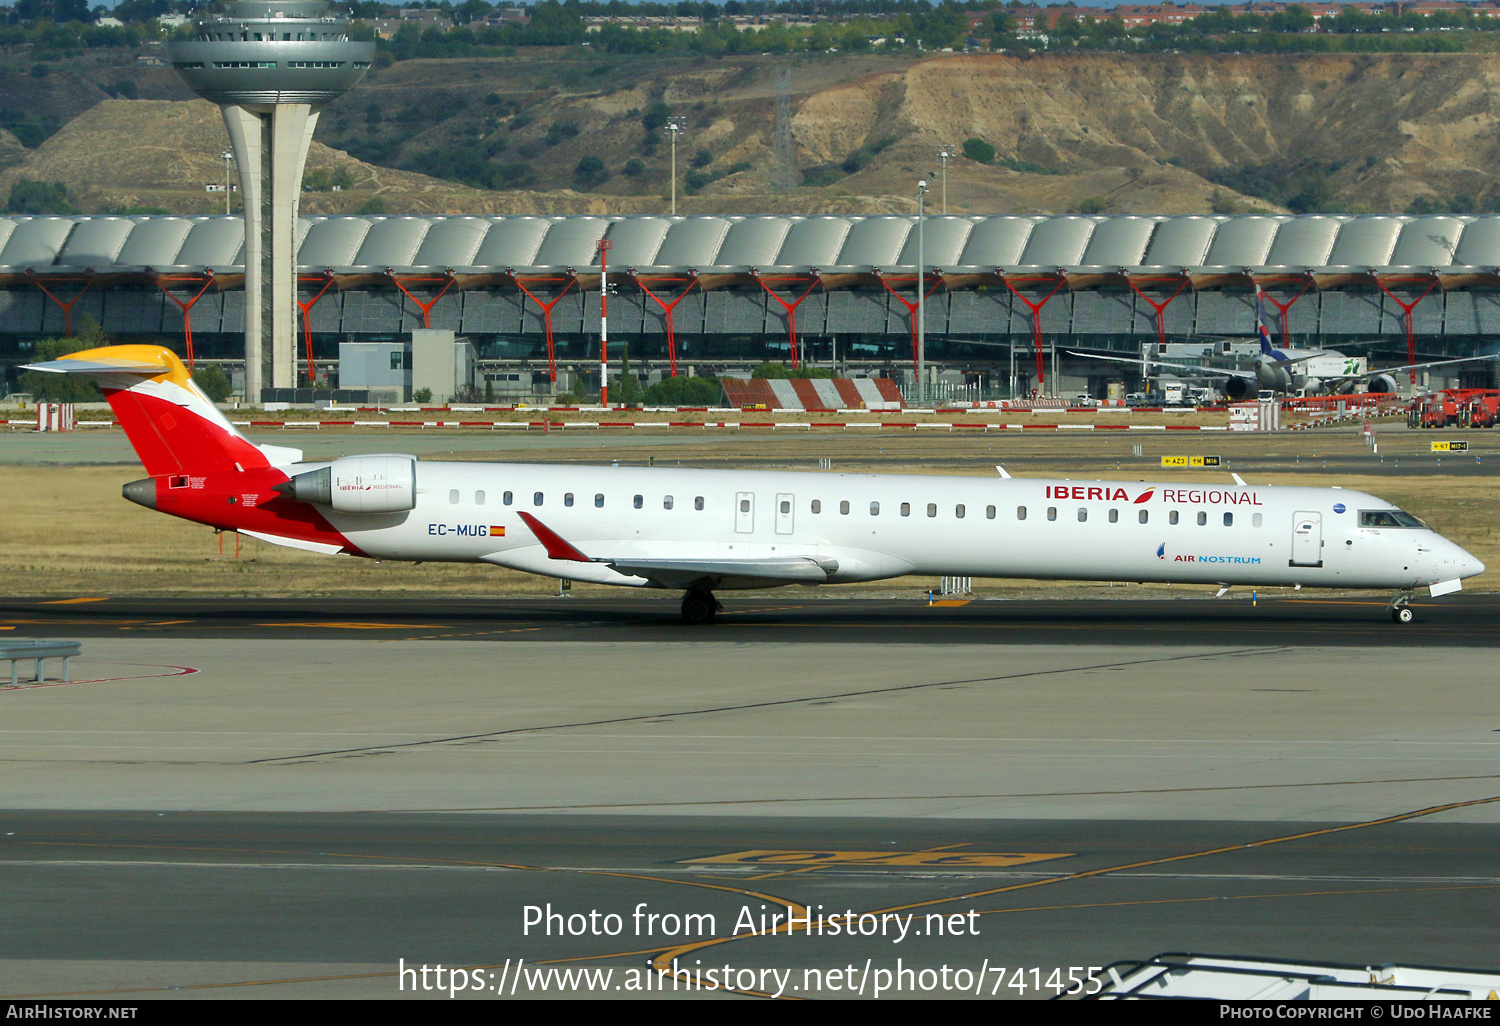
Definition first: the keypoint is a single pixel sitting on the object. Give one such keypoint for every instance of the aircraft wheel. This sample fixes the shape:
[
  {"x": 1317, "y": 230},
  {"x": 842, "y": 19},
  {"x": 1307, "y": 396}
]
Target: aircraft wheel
[
  {"x": 1403, "y": 614},
  {"x": 699, "y": 607}
]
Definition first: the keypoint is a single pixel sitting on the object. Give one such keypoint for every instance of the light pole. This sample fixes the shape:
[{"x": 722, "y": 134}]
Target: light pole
[
  {"x": 228, "y": 159},
  {"x": 945, "y": 154},
  {"x": 921, "y": 296},
  {"x": 674, "y": 125}
]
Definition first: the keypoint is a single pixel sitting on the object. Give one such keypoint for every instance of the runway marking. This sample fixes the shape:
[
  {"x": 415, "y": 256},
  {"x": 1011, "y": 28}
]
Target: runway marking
[
  {"x": 895, "y": 689},
  {"x": 361, "y": 626},
  {"x": 1237, "y": 897},
  {"x": 178, "y": 671},
  {"x": 664, "y": 961},
  {"x": 963, "y": 797},
  {"x": 950, "y": 860}
]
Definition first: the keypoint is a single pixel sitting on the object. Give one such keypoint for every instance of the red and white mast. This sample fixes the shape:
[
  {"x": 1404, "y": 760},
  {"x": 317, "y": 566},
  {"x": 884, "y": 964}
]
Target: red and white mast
[{"x": 604, "y": 247}]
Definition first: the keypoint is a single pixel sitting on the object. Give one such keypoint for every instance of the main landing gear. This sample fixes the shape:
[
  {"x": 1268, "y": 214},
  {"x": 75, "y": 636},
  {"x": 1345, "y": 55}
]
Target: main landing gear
[
  {"x": 699, "y": 606},
  {"x": 1400, "y": 611}
]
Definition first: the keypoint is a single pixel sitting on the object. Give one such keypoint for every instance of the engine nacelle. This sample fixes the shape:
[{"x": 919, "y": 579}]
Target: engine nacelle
[
  {"x": 1383, "y": 383},
  {"x": 359, "y": 484},
  {"x": 1239, "y": 389}
]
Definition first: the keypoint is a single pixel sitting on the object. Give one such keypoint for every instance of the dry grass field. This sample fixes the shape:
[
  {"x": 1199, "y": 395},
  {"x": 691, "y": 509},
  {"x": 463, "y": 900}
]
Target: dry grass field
[{"x": 67, "y": 532}]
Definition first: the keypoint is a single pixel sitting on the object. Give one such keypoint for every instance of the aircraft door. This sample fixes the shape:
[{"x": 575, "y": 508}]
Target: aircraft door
[
  {"x": 785, "y": 505},
  {"x": 1307, "y": 540},
  {"x": 744, "y": 512}
]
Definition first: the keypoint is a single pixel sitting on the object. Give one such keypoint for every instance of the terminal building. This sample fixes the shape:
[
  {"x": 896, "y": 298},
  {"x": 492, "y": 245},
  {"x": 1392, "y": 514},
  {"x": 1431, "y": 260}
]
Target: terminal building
[{"x": 1010, "y": 299}]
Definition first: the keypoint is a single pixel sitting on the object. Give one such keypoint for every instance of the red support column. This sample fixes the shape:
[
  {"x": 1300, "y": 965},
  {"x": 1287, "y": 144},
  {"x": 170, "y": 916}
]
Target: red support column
[
  {"x": 426, "y": 307},
  {"x": 186, "y": 307},
  {"x": 911, "y": 308},
  {"x": 306, "y": 309},
  {"x": 1406, "y": 309},
  {"x": 790, "y": 308},
  {"x": 1036, "y": 318},
  {"x": 667, "y": 309},
  {"x": 547, "y": 306},
  {"x": 1159, "y": 308},
  {"x": 67, "y": 308},
  {"x": 1284, "y": 308}
]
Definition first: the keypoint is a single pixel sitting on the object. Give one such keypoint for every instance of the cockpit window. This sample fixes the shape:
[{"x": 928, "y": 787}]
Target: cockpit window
[{"x": 1388, "y": 518}]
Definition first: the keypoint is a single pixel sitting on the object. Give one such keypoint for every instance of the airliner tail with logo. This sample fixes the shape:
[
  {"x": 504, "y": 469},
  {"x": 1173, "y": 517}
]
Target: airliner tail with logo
[{"x": 706, "y": 531}]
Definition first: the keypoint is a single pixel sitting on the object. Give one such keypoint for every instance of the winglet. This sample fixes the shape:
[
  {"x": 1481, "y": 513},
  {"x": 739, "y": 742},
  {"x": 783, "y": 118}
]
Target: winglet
[
  {"x": 1002, "y": 472},
  {"x": 1238, "y": 480},
  {"x": 557, "y": 547}
]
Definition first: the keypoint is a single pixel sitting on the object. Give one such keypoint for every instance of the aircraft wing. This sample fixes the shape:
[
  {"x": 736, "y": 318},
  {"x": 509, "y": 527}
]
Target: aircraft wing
[
  {"x": 1191, "y": 368},
  {"x": 1408, "y": 367},
  {"x": 681, "y": 573}
]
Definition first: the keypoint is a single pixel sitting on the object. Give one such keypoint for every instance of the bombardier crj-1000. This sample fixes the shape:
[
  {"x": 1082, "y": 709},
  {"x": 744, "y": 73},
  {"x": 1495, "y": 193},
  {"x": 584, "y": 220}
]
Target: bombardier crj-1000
[{"x": 702, "y": 531}]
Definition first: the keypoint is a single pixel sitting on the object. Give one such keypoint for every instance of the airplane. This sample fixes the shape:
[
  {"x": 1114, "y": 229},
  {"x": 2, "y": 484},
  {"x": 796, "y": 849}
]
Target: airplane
[
  {"x": 702, "y": 531},
  {"x": 1280, "y": 370}
]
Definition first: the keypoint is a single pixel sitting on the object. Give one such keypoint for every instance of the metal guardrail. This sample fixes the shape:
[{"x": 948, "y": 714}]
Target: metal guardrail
[{"x": 38, "y": 651}]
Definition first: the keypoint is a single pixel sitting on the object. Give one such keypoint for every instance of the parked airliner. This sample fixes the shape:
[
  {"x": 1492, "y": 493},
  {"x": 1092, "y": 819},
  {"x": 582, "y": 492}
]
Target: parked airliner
[
  {"x": 703, "y": 531},
  {"x": 1299, "y": 371}
]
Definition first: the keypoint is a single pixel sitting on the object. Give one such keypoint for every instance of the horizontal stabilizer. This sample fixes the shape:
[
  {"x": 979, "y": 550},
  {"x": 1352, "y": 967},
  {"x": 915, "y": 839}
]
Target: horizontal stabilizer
[{"x": 119, "y": 366}]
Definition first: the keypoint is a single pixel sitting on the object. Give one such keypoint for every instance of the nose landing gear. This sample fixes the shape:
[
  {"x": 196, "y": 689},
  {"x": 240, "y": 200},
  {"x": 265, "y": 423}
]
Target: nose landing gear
[
  {"x": 699, "y": 606},
  {"x": 1400, "y": 611}
]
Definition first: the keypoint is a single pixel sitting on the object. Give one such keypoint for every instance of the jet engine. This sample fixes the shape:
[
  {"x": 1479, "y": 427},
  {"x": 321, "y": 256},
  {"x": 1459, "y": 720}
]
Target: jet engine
[
  {"x": 1239, "y": 389},
  {"x": 359, "y": 484},
  {"x": 1383, "y": 383}
]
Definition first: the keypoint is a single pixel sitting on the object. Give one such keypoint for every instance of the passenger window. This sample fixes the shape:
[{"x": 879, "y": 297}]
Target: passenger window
[
  {"x": 638, "y": 502},
  {"x": 698, "y": 502},
  {"x": 1143, "y": 516},
  {"x": 1083, "y": 514},
  {"x": 1114, "y": 516},
  {"x": 1228, "y": 519},
  {"x": 598, "y": 500},
  {"x": 1255, "y": 520},
  {"x": 1051, "y": 512},
  {"x": 479, "y": 498},
  {"x": 666, "y": 502},
  {"x": 1020, "y": 512},
  {"x": 844, "y": 507},
  {"x": 989, "y": 512},
  {"x": 958, "y": 511},
  {"x": 568, "y": 499},
  {"x": 744, "y": 505},
  {"x": 932, "y": 509},
  {"x": 453, "y": 496},
  {"x": 786, "y": 505},
  {"x": 817, "y": 505},
  {"x": 536, "y": 500},
  {"x": 1172, "y": 518},
  {"x": 906, "y": 509},
  {"x": 1202, "y": 518},
  {"x": 506, "y": 498},
  {"x": 874, "y": 509}
]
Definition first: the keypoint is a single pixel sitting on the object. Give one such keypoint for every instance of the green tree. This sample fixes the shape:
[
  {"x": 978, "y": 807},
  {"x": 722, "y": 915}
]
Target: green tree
[
  {"x": 590, "y": 172},
  {"x": 32, "y": 197},
  {"x": 627, "y": 387},
  {"x": 213, "y": 381},
  {"x": 979, "y": 151},
  {"x": 700, "y": 391},
  {"x": 421, "y": 395},
  {"x": 373, "y": 206},
  {"x": 771, "y": 370}
]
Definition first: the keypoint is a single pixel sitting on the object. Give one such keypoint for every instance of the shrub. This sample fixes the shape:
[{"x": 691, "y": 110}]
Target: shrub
[
  {"x": 979, "y": 151},
  {"x": 213, "y": 381}
]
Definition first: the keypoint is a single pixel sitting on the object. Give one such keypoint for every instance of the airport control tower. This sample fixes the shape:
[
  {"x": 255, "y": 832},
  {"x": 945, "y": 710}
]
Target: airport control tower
[{"x": 270, "y": 65}]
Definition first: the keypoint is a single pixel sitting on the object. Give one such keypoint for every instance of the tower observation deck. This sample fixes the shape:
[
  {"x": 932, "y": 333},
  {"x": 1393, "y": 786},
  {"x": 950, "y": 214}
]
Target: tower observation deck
[{"x": 270, "y": 65}]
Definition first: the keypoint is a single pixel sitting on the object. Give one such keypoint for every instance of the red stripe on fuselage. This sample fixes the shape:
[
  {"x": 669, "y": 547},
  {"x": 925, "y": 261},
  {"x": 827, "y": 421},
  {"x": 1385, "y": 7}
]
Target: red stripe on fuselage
[{"x": 235, "y": 501}]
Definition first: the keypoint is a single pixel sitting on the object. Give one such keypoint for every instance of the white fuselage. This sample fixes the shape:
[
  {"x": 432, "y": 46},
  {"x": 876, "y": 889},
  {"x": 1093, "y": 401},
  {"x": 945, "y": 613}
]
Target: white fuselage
[{"x": 875, "y": 527}]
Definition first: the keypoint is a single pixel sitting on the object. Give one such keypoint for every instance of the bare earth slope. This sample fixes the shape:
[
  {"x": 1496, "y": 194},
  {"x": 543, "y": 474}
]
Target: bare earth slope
[{"x": 1116, "y": 133}]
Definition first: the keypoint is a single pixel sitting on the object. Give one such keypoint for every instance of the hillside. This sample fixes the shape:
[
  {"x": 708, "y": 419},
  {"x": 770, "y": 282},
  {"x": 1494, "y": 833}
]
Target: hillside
[{"x": 1107, "y": 132}]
